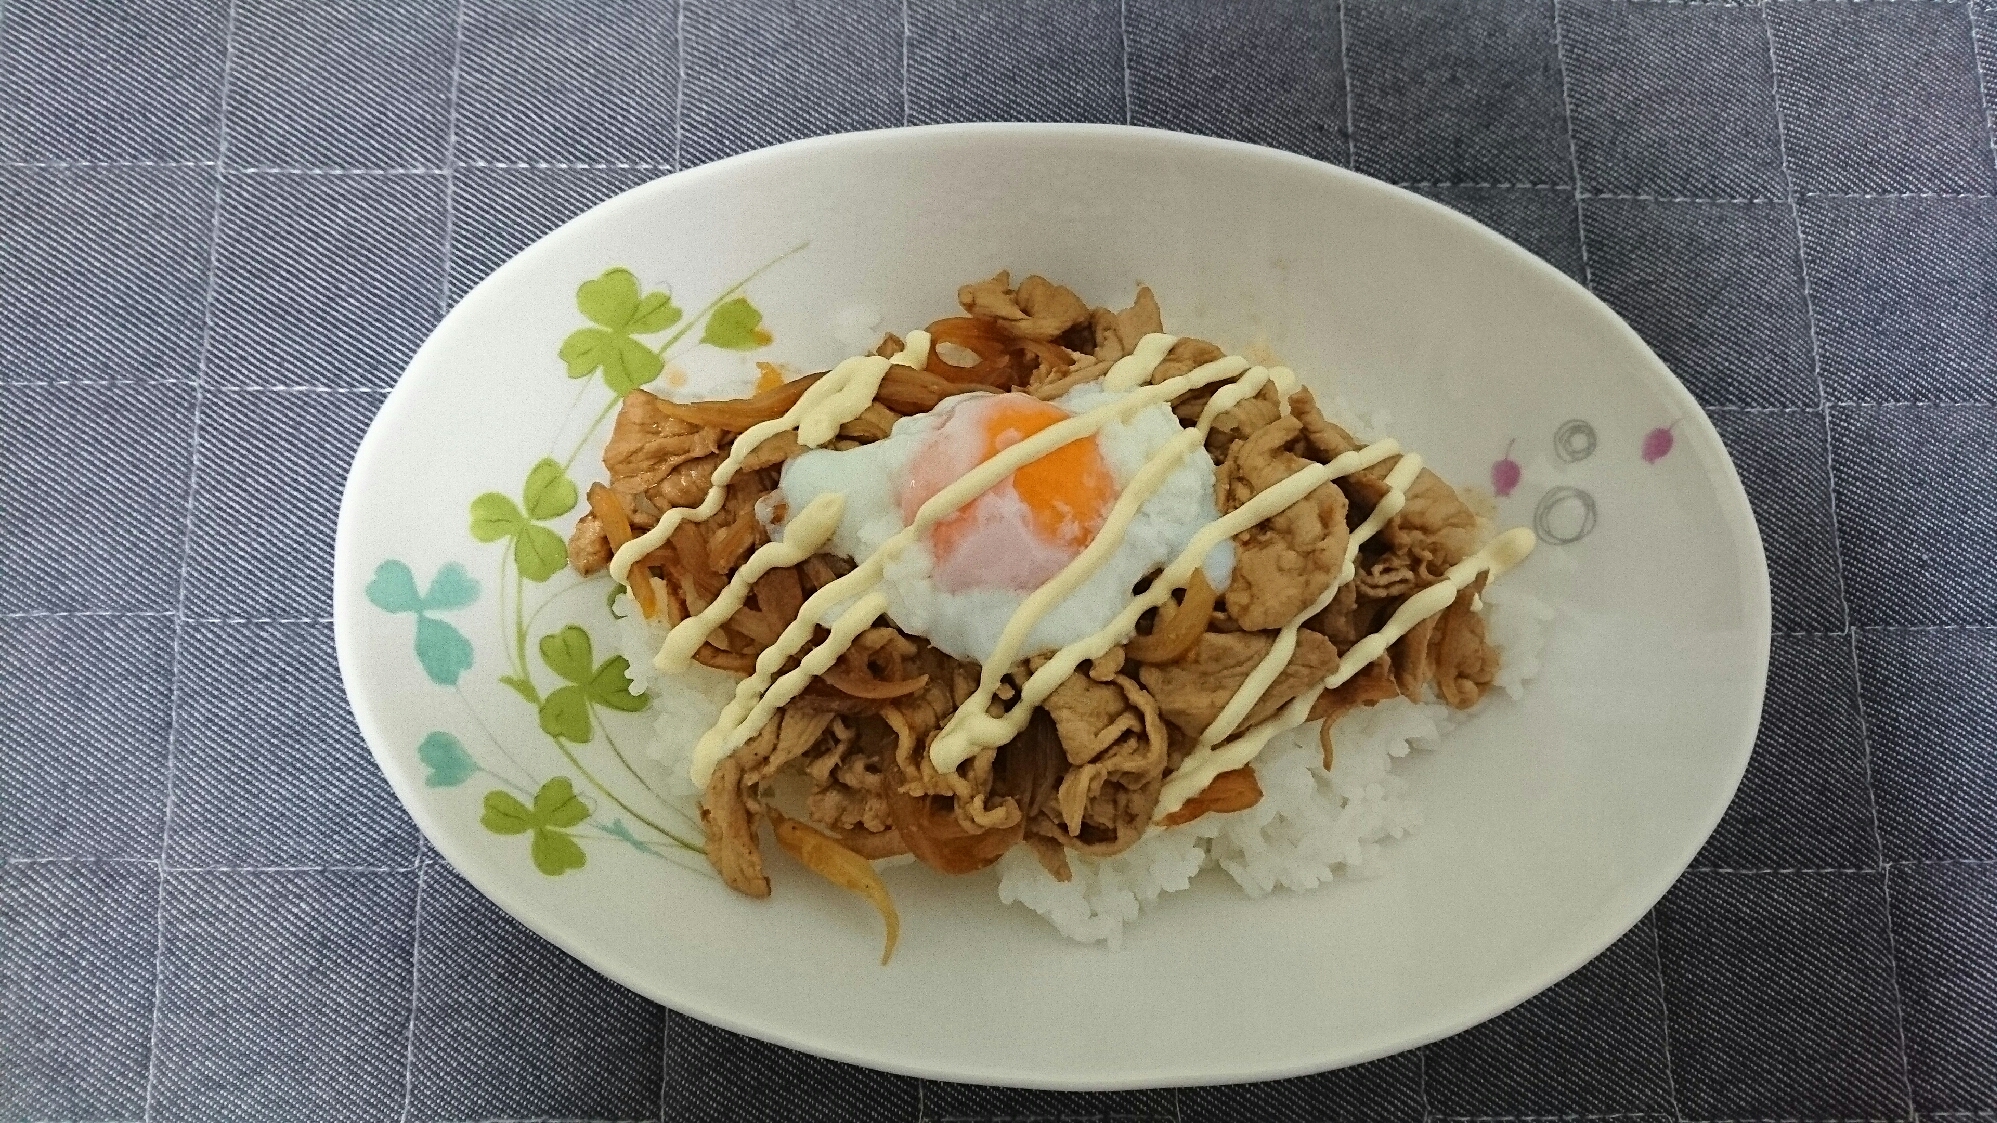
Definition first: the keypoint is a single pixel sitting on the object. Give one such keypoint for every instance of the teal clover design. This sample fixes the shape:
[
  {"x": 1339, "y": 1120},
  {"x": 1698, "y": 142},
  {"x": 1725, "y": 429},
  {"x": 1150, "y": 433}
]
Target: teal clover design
[{"x": 442, "y": 649}]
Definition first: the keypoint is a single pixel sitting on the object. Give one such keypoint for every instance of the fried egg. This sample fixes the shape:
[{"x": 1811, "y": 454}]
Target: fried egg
[{"x": 966, "y": 576}]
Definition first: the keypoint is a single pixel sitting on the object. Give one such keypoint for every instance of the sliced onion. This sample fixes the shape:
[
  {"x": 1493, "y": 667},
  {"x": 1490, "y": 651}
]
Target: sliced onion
[
  {"x": 907, "y": 391},
  {"x": 872, "y": 845},
  {"x": 935, "y": 836},
  {"x": 828, "y": 858},
  {"x": 860, "y": 684},
  {"x": 1175, "y": 635},
  {"x": 712, "y": 656},
  {"x": 1236, "y": 790},
  {"x": 696, "y": 568},
  {"x": 737, "y": 414},
  {"x": 780, "y": 594},
  {"x": 982, "y": 338},
  {"x": 757, "y": 627}
]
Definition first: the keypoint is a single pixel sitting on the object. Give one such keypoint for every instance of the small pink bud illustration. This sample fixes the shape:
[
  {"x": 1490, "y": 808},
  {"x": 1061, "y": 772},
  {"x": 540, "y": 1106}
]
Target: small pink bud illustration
[
  {"x": 1657, "y": 443},
  {"x": 1505, "y": 473}
]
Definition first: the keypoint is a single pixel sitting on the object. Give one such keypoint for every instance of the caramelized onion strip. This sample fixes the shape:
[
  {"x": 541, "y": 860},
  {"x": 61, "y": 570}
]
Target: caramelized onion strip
[
  {"x": 1236, "y": 790},
  {"x": 828, "y": 858},
  {"x": 736, "y": 414},
  {"x": 1175, "y": 636}
]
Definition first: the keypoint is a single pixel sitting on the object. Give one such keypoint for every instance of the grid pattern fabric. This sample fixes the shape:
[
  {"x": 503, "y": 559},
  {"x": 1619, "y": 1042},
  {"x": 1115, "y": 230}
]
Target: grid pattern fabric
[{"x": 226, "y": 225}]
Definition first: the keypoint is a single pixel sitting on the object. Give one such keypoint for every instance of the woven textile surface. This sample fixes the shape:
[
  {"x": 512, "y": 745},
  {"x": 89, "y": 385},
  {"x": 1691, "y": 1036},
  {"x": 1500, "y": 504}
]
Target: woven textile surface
[{"x": 226, "y": 225}]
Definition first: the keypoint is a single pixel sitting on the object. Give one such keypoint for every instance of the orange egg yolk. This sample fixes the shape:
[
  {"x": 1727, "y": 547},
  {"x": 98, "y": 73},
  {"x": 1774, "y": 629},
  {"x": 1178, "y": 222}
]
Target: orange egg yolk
[{"x": 1022, "y": 530}]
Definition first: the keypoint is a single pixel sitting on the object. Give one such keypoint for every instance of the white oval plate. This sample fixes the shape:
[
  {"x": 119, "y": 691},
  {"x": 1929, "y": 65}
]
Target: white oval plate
[{"x": 1551, "y": 824}]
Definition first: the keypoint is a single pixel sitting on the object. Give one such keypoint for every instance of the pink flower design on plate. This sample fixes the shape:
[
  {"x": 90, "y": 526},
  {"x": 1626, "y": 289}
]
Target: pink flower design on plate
[
  {"x": 1657, "y": 443},
  {"x": 1505, "y": 473}
]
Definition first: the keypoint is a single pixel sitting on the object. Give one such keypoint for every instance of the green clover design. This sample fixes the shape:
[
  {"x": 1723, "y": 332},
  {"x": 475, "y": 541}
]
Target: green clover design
[
  {"x": 548, "y": 494},
  {"x": 620, "y": 310},
  {"x": 443, "y": 650},
  {"x": 445, "y": 756},
  {"x": 566, "y": 713},
  {"x": 735, "y": 325},
  {"x": 556, "y": 806}
]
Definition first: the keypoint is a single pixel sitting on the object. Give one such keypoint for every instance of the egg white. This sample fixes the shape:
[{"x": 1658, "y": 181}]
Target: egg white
[{"x": 967, "y": 623}]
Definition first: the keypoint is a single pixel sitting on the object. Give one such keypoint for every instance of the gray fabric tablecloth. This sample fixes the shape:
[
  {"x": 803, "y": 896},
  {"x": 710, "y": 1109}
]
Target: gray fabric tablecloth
[{"x": 226, "y": 225}]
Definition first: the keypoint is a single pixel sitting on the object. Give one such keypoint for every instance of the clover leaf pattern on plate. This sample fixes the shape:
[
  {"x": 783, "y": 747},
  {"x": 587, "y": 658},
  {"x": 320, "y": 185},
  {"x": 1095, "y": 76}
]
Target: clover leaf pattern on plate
[
  {"x": 619, "y": 311},
  {"x": 567, "y": 712},
  {"x": 442, "y": 649},
  {"x": 555, "y": 806},
  {"x": 737, "y": 326},
  {"x": 548, "y": 494},
  {"x": 576, "y": 787},
  {"x": 446, "y": 760}
]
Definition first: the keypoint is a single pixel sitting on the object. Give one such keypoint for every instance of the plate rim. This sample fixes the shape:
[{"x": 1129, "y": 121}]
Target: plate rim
[{"x": 520, "y": 904}]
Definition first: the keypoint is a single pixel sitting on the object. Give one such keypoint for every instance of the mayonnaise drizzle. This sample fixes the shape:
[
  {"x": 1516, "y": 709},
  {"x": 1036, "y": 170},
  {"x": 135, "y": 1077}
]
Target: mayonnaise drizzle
[
  {"x": 1204, "y": 763},
  {"x": 845, "y": 630},
  {"x": 804, "y": 534},
  {"x": 970, "y": 731},
  {"x": 744, "y": 714},
  {"x": 858, "y": 602},
  {"x": 1271, "y": 667},
  {"x": 840, "y": 396},
  {"x": 731, "y": 730},
  {"x": 1136, "y": 493},
  {"x": 1286, "y": 385},
  {"x": 1134, "y": 369}
]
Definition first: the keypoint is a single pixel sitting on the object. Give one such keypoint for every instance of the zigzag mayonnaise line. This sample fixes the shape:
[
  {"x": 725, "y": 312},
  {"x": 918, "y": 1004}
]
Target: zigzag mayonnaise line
[
  {"x": 845, "y": 630},
  {"x": 1134, "y": 369},
  {"x": 743, "y": 715},
  {"x": 832, "y": 401},
  {"x": 1203, "y": 764},
  {"x": 1271, "y": 667},
  {"x": 969, "y": 731}
]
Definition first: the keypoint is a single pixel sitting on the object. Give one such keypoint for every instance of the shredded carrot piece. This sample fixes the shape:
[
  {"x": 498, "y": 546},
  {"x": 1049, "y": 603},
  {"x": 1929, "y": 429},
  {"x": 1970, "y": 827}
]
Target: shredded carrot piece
[
  {"x": 609, "y": 512},
  {"x": 643, "y": 593},
  {"x": 831, "y": 860}
]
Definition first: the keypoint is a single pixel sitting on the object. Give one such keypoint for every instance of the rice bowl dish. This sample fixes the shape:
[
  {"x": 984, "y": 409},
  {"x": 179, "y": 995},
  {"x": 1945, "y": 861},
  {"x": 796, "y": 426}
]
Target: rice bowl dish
[
  {"x": 867, "y": 585},
  {"x": 1550, "y": 824}
]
